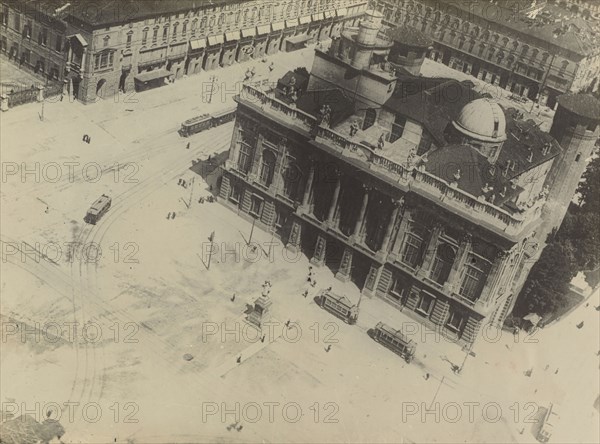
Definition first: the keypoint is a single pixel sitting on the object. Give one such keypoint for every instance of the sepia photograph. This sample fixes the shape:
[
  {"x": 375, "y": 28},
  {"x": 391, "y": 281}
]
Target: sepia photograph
[{"x": 300, "y": 221}]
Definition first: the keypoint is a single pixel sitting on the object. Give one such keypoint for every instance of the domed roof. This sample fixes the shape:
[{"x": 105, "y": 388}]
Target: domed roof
[{"x": 482, "y": 120}]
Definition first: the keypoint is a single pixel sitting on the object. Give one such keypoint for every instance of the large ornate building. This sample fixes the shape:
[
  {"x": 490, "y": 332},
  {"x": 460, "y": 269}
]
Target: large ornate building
[
  {"x": 108, "y": 45},
  {"x": 417, "y": 189},
  {"x": 538, "y": 49}
]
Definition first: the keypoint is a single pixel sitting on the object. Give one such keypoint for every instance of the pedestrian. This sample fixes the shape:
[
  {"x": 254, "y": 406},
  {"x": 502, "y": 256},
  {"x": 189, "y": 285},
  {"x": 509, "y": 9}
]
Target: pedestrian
[
  {"x": 173, "y": 216},
  {"x": 240, "y": 427},
  {"x": 305, "y": 294},
  {"x": 233, "y": 298},
  {"x": 89, "y": 139},
  {"x": 262, "y": 339},
  {"x": 62, "y": 96},
  {"x": 426, "y": 376},
  {"x": 47, "y": 208},
  {"x": 328, "y": 348},
  {"x": 169, "y": 215},
  {"x": 209, "y": 158},
  {"x": 329, "y": 289},
  {"x": 84, "y": 137},
  {"x": 556, "y": 372},
  {"x": 239, "y": 359},
  {"x": 287, "y": 324},
  {"x": 187, "y": 147}
]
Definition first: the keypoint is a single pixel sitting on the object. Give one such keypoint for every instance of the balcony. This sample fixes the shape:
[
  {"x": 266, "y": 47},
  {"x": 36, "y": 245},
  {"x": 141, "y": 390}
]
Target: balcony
[{"x": 480, "y": 212}]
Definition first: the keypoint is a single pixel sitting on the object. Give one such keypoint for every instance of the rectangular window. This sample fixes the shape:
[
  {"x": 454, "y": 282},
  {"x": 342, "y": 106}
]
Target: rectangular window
[
  {"x": 397, "y": 128},
  {"x": 5, "y": 15},
  {"x": 471, "y": 282},
  {"x": 256, "y": 206},
  {"x": 280, "y": 219},
  {"x": 456, "y": 321},
  {"x": 397, "y": 290},
  {"x": 144, "y": 37},
  {"x": 412, "y": 249},
  {"x": 443, "y": 260},
  {"x": 44, "y": 36},
  {"x": 155, "y": 36},
  {"x": 27, "y": 29},
  {"x": 235, "y": 194},
  {"x": 17, "y": 22},
  {"x": 58, "y": 44},
  {"x": 245, "y": 158},
  {"x": 425, "y": 304},
  {"x": 165, "y": 33},
  {"x": 129, "y": 38}
]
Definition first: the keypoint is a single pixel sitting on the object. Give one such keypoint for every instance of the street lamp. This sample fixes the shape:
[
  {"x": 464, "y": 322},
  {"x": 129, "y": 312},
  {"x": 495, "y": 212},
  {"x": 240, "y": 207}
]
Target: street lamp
[
  {"x": 254, "y": 217},
  {"x": 213, "y": 79}
]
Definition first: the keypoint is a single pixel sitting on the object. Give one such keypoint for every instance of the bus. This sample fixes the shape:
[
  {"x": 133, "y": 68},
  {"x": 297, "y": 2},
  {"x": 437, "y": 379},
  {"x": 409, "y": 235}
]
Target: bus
[
  {"x": 339, "y": 306},
  {"x": 395, "y": 341},
  {"x": 97, "y": 209}
]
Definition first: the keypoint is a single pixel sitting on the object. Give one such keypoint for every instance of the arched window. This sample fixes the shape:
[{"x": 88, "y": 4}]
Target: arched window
[
  {"x": 184, "y": 29},
  {"x": 505, "y": 42},
  {"x": 292, "y": 177},
  {"x": 211, "y": 23},
  {"x": 563, "y": 68},
  {"x": 267, "y": 167},
  {"x": 175, "y": 26},
  {"x": 221, "y": 19},
  {"x": 203, "y": 23},
  {"x": 524, "y": 50},
  {"x": 445, "y": 254}
]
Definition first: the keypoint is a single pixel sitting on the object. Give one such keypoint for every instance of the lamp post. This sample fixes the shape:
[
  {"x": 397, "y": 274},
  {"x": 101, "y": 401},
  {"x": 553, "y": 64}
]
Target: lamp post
[
  {"x": 254, "y": 217},
  {"x": 213, "y": 80}
]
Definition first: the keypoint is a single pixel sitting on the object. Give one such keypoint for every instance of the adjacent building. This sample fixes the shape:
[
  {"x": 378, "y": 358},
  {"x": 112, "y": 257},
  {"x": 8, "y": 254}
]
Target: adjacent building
[
  {"x": 109, "y": 46},
  {"x": 417, "y": 189},
  {"x": 536, "y": 49}
]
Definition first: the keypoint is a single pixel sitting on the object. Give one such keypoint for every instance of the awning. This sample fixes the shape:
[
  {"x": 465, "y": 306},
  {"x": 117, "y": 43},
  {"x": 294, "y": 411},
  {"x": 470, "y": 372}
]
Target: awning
[
  {"x": 278, "y": 26},
  {"x": 341, "y": 12},
  {"x": 232, "y": 36},
  {"x": 297, "y": 39},
  {"x": 329, "y": 14},
  {"x": 317, "y": 17},
  {"x": 249, "y": 32},
  {"x": 291, "y": 23},
  {"x": 79, "y": 38},
  {"x": 153, "y": 75},
  {"x": 197, "y": 44},
  {"x": 265, "y": 29},
  {"x": 305, "y": 19},
  {"x": 215, "y": 40}
]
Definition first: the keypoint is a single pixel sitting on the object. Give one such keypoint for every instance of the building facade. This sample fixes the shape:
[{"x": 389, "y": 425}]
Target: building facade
[
  {"x": 537, "y": 50},
  {"x": 417, "y": 189},
  {"x": 111, "y": 46},
  {"x": 33, "y": 38}
]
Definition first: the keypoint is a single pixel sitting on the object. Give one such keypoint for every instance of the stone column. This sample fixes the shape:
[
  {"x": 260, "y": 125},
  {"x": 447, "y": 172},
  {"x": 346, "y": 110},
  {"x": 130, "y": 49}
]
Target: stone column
[
  {"x": 359, "y": 225},
  {"x": 453, "y": 282},
  {"x": 279, "y": 164},
  {"x": 306, "y": 199},
  {"x": 318, "y": 258},
  {"x": 372, "y": 279},
  {"x": 294, "y": 238},
  {"x": 334, "y": 199},
  {"x": 430, "y": 250},
  {"x": 234, "y": 150},
  {"x": 397, "y": 245},
  {"x": 345, "y": 269},
  {"x": 493, "y": 277},
  {"x": 471, "y": 329},
  {"x": 397, "y": 204},
  {"x": 257, "y": 156}
]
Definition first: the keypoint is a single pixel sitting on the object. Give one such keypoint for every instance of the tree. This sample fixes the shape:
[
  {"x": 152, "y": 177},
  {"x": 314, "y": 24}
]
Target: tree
[
  {"x": 548, "y": 282},
  {"x": 589, "y": 187}
]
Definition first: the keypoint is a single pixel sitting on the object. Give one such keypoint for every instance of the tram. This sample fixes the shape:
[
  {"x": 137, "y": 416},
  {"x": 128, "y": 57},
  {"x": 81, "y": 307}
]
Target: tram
[
  {"x": 395, "y": 341},
  {"x": 98, "y": 209}
]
